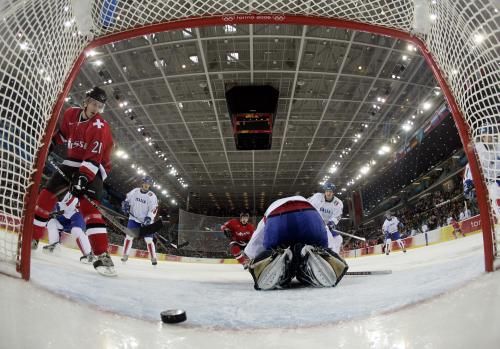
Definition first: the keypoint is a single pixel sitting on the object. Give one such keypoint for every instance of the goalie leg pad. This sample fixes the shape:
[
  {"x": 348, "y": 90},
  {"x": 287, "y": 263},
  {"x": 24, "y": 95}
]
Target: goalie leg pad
[
  {"x": 320, "y": 267},
  {"x": 271, "y": 269}
]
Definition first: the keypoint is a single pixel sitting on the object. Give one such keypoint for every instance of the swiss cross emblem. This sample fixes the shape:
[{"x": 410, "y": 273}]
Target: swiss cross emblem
[{"x": 98, "y": 124}]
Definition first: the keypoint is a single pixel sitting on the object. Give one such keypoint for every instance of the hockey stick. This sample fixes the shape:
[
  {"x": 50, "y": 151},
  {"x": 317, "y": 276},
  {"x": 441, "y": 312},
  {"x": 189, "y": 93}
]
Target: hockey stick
[
  {"x": 350, "y": 235},
  {"x": 371, "y": 272},
  {"x": 172, "y": 244},
  {"x": 108, "y": 217},
  {"x": 149, "y": 229}
]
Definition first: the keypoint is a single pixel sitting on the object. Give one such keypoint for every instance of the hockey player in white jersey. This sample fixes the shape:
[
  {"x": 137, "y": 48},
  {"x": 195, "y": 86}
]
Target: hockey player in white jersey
[
  {"x": 67, "y": 218},
  {"x": 330, "y": 208},
  {"x": 390, "y": 229},
  {"x": 487, "y": 146},
  {"x": 141, "y": 205},
  {"x": 292, "y": 241}
]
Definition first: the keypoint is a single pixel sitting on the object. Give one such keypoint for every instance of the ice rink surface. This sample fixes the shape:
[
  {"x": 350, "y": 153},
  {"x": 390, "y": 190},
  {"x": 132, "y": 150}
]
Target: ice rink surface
[{"x": 437, "y": 297}]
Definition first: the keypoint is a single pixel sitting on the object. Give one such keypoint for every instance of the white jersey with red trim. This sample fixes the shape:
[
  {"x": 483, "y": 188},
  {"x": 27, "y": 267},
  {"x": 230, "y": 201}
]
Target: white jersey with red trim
[
  {"x": 330, "y": 211},
  {"x": 142, "y": 204},
  {"x": 89, "y": 143}
]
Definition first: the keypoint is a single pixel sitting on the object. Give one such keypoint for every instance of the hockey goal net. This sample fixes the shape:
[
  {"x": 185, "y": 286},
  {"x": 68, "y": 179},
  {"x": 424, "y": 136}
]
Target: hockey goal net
[{"x": 43, "y": 44}]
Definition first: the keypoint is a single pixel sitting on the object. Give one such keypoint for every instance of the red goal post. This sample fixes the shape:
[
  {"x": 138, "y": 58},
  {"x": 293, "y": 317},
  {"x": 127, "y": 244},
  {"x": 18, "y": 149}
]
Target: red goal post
[{"x": 43, "y": 45}]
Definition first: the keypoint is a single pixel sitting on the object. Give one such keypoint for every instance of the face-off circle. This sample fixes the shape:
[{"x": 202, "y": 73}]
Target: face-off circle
[{"x": 173, "y": 316}]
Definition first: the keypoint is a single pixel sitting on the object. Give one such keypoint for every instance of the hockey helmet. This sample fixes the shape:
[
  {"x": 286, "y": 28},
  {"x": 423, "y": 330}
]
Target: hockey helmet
[
  {"x": 147, "y": 180},
  {"x": 388, "y": 215},
  {"x": 329, "y": 186},
  {"x": 97, "y": 94}
]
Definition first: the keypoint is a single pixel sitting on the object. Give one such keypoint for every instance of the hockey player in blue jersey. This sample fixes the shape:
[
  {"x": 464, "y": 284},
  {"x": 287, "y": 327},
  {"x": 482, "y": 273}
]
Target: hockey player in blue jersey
[
  {"x": 390, "y": 229},
  {"x": 292, "y": 241}
]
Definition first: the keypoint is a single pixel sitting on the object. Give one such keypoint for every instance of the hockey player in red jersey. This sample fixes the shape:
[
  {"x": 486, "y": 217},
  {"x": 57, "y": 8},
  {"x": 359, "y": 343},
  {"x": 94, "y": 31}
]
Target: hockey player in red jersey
[
  {"x": 239, "y": 231},
  {"x": 89, "y": 142}
]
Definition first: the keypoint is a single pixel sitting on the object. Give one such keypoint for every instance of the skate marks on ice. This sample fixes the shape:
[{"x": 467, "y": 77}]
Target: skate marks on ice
[{"x": 222, "y": 296}]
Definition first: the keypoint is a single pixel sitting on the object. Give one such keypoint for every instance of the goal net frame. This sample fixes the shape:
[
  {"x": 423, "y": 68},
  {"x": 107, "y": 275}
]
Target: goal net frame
[{"x": 82, "y": 26}]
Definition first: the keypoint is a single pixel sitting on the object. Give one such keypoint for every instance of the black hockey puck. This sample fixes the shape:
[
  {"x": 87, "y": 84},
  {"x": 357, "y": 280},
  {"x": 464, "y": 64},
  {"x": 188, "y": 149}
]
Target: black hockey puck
[{"x": 173, "y": 316}]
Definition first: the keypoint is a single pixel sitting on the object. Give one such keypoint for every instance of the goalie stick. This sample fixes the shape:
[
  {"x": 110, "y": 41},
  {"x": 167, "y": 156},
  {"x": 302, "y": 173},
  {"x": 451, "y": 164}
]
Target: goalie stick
[{"x": 370, "y": 272}]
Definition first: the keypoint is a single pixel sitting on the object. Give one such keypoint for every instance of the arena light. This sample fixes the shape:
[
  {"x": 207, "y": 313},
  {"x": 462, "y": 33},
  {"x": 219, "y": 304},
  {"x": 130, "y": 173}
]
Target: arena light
[
  {"x": 91, "y": 53},
  {"x": 427, "y": 105},
  {"x": 478, "y": 38},
  {"x": 406, "y": 127},
  {"x": 24, "y": 45},
  {"x": 384, "y": 149}
]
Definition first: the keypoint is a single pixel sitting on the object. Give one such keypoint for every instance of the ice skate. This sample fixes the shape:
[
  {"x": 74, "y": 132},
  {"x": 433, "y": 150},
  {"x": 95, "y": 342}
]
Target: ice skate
[
  {"x": 104, "y": 265},
  {"x": 154, "y": 261},
  {"x": 124, "y": 258},
  {"x": 49, "y": 249},
  {"x": 34, "y": 244},
  {"x": 88, "y": 259}
]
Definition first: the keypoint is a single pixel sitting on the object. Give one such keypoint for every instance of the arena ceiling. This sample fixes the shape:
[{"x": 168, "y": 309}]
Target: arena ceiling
[{"x": 343, "y": 95}]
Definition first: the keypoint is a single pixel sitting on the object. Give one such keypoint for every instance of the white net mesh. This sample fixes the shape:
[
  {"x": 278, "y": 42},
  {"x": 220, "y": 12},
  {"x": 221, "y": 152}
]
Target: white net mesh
[
  {"x": 203, "y": 233},
  {"x": 40, "y": 41}
]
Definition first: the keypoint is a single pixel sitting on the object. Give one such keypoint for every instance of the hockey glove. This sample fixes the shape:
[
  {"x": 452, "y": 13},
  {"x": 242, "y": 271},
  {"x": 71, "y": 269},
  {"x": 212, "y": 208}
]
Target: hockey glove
[
  {"x": 331, "y": 225},
  {"x": 125, "y": 207},
  {"x": 79, "y": 185},
  {"x": 468, "y": 185},
  {"x": 228, "y": 234},
  {"x": 147, "y": 221}
]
